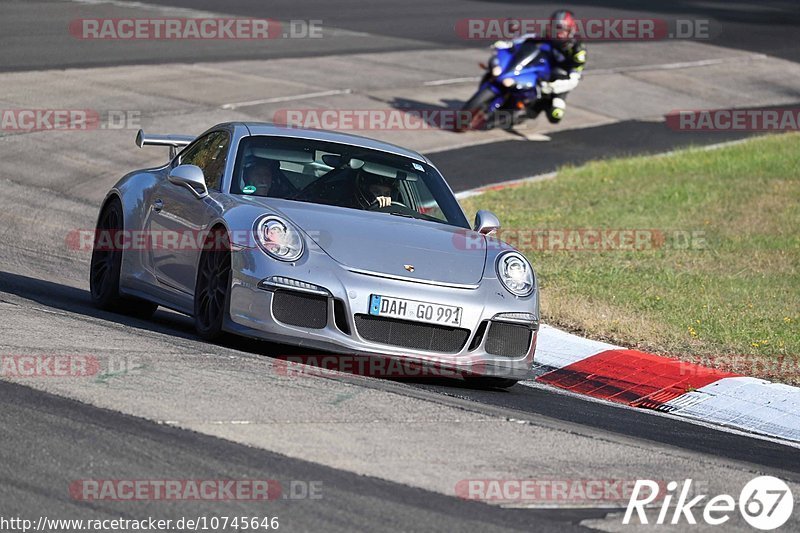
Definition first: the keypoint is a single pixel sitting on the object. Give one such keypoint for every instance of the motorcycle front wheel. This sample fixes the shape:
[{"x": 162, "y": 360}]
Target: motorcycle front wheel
[{"x": 477, "y": 111}]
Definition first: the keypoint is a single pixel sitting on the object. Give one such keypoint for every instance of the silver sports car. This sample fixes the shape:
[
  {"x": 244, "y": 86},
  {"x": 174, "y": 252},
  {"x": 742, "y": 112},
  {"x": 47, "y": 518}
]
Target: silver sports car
[{"x": 316, "y": 239}]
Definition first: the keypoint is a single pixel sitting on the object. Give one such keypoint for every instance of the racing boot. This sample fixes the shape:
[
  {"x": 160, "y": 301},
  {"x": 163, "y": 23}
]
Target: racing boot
[{"x": 556, "y": 110}]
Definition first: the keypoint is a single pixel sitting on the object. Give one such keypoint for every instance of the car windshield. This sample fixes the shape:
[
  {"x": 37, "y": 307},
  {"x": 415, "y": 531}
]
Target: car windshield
[{"x": 342, "y": 175}]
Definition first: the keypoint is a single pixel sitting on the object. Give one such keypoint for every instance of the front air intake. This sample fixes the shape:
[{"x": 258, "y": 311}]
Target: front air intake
[
  {"x": 509, "y": 340},
  {"x": 414, "y": 335},
  {"x": 300, "y": 309}
]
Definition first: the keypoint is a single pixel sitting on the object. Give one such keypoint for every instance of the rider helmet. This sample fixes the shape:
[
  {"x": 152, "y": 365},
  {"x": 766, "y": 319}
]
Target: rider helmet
[{"x": 562, "y": 28}]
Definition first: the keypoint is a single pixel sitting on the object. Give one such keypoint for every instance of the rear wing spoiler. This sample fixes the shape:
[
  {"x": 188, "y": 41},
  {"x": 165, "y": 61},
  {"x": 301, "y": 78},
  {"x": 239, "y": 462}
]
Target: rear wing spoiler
[{"x": 173, "y": 141}]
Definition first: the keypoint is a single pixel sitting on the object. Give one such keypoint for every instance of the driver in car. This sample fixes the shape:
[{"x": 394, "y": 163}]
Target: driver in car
[{"x": 373, "y": 190}]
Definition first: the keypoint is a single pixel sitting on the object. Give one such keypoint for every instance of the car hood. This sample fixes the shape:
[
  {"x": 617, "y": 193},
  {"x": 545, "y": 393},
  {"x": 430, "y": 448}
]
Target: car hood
[{"x": 391, "y": 245}]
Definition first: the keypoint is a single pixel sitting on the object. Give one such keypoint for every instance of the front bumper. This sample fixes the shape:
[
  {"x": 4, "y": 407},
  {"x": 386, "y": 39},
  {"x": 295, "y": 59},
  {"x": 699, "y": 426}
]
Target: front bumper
[{"x": 342, "y": 328}]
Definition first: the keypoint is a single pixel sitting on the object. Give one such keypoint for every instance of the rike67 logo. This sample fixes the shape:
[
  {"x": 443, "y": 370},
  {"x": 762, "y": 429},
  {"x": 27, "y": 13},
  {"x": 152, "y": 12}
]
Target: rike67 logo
[{"x": 765, "y": 503}]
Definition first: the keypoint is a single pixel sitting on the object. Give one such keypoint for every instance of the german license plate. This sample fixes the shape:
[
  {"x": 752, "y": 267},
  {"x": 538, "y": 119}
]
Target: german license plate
[{"x": 446, "y": 315}]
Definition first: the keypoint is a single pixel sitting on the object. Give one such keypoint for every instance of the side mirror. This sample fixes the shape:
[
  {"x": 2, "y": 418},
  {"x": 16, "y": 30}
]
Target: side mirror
[
  {"x": 486, "y": 222},
  {"x": 191, "y": 177}
]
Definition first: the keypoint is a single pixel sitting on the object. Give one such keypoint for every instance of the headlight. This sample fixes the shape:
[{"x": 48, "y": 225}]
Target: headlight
[
  {"x": 496, "y": 71},
  {"x": 515, "y": 273},
  {"x": 278, "y": 238},
  {"x": 508, "y": 82}
]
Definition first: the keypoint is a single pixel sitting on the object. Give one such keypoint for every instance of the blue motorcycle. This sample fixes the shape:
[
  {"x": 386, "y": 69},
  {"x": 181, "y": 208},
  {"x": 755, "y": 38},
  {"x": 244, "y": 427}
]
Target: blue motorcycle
[{"x": 511, "y": 85}]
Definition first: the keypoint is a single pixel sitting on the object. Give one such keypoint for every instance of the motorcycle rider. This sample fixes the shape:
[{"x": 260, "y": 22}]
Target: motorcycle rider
[{"x": 569, "y": 60}]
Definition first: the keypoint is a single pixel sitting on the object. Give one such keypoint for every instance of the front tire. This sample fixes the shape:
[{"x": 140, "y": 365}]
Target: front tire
[
  {"x": 478, "y": 108},
  {"x": 106, "y": 265},
  {"x": 212, "y": 287}
]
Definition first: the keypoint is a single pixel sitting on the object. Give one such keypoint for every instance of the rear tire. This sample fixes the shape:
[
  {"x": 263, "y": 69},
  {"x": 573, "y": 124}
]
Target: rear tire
[
  {"x": 213, "y": 286},
  {"x": 106, "y": 265}
]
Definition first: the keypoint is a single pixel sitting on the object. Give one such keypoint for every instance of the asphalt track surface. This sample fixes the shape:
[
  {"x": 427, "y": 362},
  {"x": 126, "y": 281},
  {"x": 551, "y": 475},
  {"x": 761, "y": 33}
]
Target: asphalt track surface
[
  {"x": 48, "y": 441},
  {"x": 769, "y": 27},
  {"x": 764, "y": 27},
  {"x": 36, "y": 472},
  {"x": 485, "y": 164},
  {"x": 519, "y": 399}
]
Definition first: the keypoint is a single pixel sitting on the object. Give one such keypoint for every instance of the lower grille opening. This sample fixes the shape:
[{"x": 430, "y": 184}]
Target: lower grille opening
[
  {"x": 300, "y": 309},
  {"x": 413, "y": 335},
  {"x": 510, "y": 340},
  {"x": 340, "y": 316}
]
